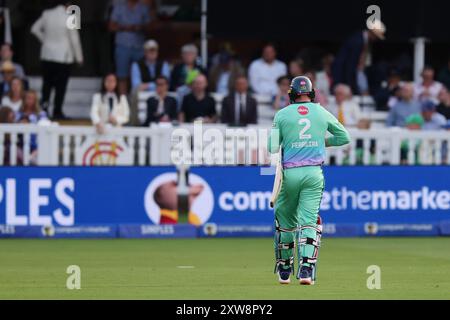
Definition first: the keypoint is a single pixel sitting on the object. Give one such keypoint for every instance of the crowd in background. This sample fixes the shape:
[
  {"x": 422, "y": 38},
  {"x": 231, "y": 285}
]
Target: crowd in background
[{"x": 181, "y": 92}]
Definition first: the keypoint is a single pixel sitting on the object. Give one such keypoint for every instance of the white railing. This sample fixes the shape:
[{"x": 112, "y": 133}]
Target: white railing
[{"x": 159, "y": 145}]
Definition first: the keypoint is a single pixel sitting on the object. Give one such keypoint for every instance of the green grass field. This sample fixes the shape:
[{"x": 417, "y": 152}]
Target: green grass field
[{"x": 416, "y": 268}]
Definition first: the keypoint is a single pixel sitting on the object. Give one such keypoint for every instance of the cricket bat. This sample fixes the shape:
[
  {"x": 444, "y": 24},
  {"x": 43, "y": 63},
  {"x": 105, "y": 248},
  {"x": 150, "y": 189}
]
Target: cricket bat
[{"x": 278, "y": 180}]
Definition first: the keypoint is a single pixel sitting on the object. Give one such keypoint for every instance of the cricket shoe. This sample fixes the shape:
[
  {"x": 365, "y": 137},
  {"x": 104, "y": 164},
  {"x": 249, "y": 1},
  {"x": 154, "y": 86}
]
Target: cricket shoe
[
  {"x": 306, "y": 276},
  {"x": 284, "y": 275}
]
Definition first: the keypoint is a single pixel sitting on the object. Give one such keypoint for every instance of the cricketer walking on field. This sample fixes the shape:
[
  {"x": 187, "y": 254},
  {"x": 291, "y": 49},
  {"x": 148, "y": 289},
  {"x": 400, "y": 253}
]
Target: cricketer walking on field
[{"x": 300, "y": 130}]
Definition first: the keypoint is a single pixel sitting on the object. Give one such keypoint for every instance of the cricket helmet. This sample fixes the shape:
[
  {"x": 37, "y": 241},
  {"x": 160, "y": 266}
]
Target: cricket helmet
[{"x": 301, "y": 86}]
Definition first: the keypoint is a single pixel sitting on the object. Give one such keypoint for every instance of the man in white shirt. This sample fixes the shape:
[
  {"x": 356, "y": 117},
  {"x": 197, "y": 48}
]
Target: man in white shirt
[
  {"x": 428, "y": 89},
  {"x": 61, "y": 47},
  {"x": 264, "y": 72}
]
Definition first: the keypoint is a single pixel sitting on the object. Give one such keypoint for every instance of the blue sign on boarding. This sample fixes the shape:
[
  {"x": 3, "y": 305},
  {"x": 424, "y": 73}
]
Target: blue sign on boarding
[{"x": 372, "y": 199}]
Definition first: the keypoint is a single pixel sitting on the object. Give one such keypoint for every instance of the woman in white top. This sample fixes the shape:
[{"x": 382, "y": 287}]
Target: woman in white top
[
  {"x": 108, "y": 107},
  {"x": 14, "y": 98},
  {"x": 344, "y": 108}
]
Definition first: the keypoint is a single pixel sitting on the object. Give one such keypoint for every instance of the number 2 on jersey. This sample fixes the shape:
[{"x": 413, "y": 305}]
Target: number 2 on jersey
[{"x": 307, "y": 125}]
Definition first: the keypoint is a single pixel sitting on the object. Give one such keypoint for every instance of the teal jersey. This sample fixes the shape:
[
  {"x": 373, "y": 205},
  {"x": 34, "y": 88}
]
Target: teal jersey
[{"x": 300, "y": 130}]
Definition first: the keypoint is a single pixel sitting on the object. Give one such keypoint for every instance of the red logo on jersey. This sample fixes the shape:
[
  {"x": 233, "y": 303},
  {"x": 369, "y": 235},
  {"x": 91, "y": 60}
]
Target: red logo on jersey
[{"x": 303, "y": 110}]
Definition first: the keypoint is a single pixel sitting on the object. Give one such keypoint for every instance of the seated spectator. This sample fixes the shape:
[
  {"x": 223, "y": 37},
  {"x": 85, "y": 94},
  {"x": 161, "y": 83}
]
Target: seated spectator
[
  {"x": 321, "y": 98},
  {"x": 7, "y": 116},
  {"x": 428, "y": 89},
  {"x": 240, "y": 108},
  {"x": 432, "y": 119},
  {"x": 324, "y": 77},
  {"x": 346, "y": 110},
  {"x": 264, "y": 72},
  {"x": 7, "y": 54},
  {"x": 198, "y": 105},
  {"x": 189, "y": 58},
  {"x": 108, "y": 106},
  {"x": 7, "y": 70},
  {"x": 14, "y": 98},
  {"x": 389, "y": 93},
  {"x": 224, "y": 48},
  {"x": 296, "y": 68},
  {"x": 185, "y": 89},
  {"x": 405, "y": 107},
  {"x": 444, "y": 75},
  {"x": 444, "y": 103},
  {"x": 146, "y": 70},
  {"x": 413, "y": 122},
  {"x": 223, "y": 75},
  {"x": 282, "y": 99},
  {"x": 161, "y": 108},
  {"x": 30, "y": 113}
]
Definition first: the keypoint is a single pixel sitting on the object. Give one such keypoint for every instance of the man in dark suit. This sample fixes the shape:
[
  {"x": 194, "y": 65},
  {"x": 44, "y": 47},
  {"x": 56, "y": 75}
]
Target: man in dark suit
[
  {"x": 350, "y": 61},
  {"x": 161, "y": 108},
  {"x": 240, "y": 108}
]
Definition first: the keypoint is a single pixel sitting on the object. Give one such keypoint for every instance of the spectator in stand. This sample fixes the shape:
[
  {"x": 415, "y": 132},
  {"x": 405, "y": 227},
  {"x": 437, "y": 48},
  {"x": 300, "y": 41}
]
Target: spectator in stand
[
  {"x": 30, "y": 113},
  {"x": 240, "y": 108},
  {"x": 14, "y": 98},
  {"x": 145, "y": 72},
  {"x": 8, "y": 70},
  {"x": 7, "y": 116},
  {"x": 223, "y": 75},
  {"x": 109, "y": 107},
  {"x": 61, "y": 47},
  {"x": 344, "y": 108},
  {"x": 428, "y": 89},
  {"x": 264, "y": 72},
  {"x": 444, "y": 75},
  {"x": 189, "y": 58},
  {"x": 432, "y": 119},
  {"x": 444, "y": 103},
  {"x": 198, "y": 105},
  {"x": 324, "y": 77},
  {"x": 129, "y": 21},
  {"x": 354, "y": 56},
  {"x": 296, "y": 68},
  {"x": 320, "y": 98},
  {"x": 405, "y": 107},
  {"x": 224, "y": 48},
  {"x": 6, "y": 54},
  {"x": 282, "y": 99},
  {"x": 186, "y": 89},
  {"x": 162, "y": 107},
  {"x": 389, "y": 94}
]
